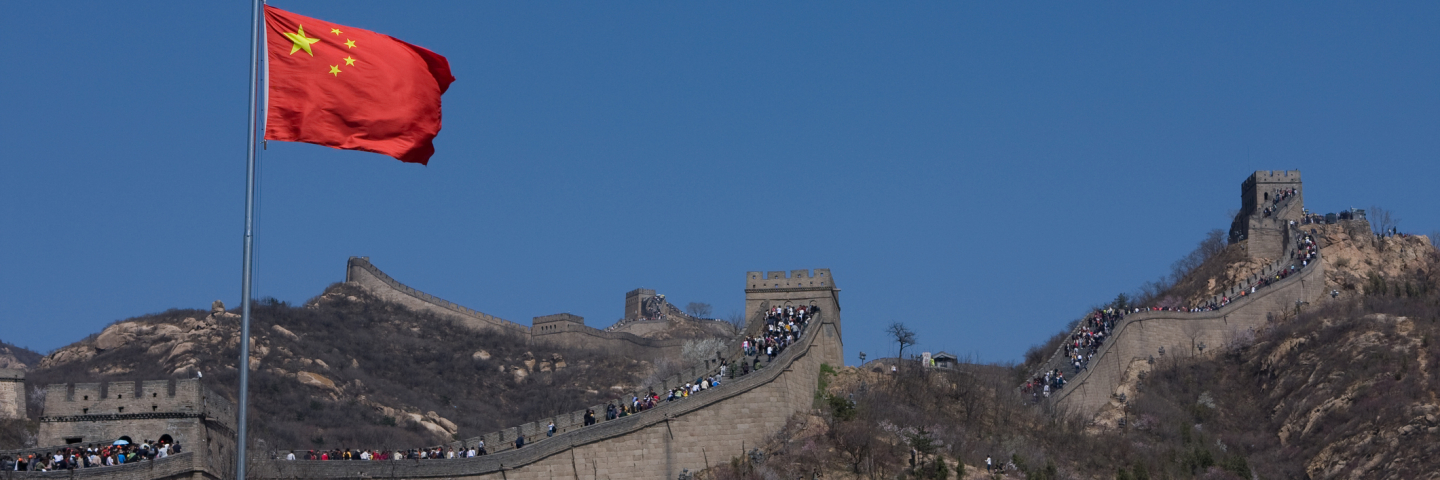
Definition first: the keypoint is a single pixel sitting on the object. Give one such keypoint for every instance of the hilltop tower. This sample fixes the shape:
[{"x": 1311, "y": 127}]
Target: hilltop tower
[
  {"x": 1269, "y": 199},
  {"x": 801, "y": 287},
  {"x": 12, "y": 394}
]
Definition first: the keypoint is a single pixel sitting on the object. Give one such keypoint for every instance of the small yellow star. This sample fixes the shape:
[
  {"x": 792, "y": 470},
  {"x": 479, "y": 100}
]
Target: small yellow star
[
  {"x": 335, "y": 31},
  {"x": 349, "y": 43},
  {"x": 335, "y": 69},
  {"x": 349, "y": 60},
  {"x": 301, "y": 42}
]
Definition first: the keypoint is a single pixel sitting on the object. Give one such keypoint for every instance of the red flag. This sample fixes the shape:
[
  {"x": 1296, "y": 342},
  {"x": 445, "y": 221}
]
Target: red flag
[{"x": 352, "y": 89}]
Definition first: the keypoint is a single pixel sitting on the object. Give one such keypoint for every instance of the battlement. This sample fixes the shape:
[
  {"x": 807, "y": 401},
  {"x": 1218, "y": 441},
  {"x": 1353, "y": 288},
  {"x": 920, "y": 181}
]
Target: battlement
[
  {"x": 797, "y": 279},
  {"x": 150, "y": 396},
  {"x": 1274, "y": 176},
  {"x": 177, "y": 410},
  {"x": 556, "y": 323}
]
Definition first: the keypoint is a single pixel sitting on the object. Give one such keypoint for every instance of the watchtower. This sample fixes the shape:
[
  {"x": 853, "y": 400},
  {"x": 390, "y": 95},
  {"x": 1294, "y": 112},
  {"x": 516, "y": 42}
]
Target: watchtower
[
  {"x": 800, "y": 288},
  {"x": 181, "y": 411},
  {"x": 635, "y": 303},
  {"x": 1269, "y": 200},
  {"x": 12, "y": 393}
]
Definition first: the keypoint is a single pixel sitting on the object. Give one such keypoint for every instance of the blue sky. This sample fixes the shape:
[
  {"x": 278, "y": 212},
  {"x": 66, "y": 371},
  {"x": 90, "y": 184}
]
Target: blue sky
[{"x": 983, "y": 173}]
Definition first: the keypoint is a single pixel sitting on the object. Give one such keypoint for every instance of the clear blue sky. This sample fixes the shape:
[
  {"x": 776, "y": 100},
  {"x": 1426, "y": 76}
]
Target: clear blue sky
[{"x": 982, "y": 173}]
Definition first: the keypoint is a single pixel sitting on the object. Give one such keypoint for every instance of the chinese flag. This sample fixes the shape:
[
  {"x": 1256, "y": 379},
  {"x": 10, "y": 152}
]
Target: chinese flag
[{"x": 352, "y": 89}]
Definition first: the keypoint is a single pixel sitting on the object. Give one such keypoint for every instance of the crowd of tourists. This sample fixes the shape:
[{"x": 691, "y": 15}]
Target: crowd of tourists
[
  {"x": 1279, "y": 195},
  {"x": 1085, "y": 341},
  {"x": 783, "y": 327},
  {"x": 71, "y": 458},
  {"x": 432, "y": 453}
]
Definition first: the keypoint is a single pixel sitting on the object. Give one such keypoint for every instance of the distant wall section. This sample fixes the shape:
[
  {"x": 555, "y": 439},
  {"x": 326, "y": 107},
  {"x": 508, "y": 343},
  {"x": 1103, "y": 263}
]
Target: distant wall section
[
  {"x": 1142, "y": 335},
  {"x": 561, "y": 330}
]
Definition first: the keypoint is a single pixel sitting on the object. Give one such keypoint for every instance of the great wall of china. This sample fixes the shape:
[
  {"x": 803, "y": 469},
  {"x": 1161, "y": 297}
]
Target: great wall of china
[{"x": 724, "y": 422}]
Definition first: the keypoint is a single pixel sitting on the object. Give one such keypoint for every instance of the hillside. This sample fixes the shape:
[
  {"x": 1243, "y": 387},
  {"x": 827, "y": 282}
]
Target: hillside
[
  {"x": 17, "y": 358},
  {"x": 1348, "y": 388},
  {"x": 1346, "y": 391},
  {"x": 348, "y": 370}
]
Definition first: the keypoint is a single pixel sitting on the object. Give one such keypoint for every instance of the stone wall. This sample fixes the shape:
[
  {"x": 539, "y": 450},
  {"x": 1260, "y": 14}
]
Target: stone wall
[
  {"x": 700, "y": 431},
  {"x": 1141, "y": 335},
  {"x": 189, "y": 413},
  {"x": 12, "y": 394},
  {"x": 564, "y": 334}
]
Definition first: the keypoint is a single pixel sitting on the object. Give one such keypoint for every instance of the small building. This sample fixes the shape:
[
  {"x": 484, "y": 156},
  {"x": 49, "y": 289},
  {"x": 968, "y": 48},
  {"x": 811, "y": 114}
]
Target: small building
[{"x": 944, "y": 360}]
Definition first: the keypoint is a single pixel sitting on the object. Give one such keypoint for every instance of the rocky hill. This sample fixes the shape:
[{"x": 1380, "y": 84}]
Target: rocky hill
[
  {"x": 346, "y": 369},
  {"x": 17, "y": 358}
]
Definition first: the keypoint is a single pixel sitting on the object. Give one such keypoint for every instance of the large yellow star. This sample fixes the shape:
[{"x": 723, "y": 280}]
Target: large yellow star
[
  {"x": 301, "y": 42},
  {"x": 349, "y": 60},
  {"x": 349, "y": 43},
  {"x": 335, "y": 31},
  {"x": 335, "y": 69}
]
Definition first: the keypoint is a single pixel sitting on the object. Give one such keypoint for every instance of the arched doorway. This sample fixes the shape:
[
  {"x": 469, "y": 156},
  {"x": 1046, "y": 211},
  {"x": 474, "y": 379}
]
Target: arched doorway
[
  {"x": 166, "y": 440},
  {"x": 126, "y": 438}
]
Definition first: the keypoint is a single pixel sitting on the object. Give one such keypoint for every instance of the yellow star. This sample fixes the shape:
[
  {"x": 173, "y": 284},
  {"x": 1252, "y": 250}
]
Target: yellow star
[
  {"x": 335, "y": 31},
  {"x": 349, "y": 43},
  {"x": 349, "y": 60},
  {"x": 335, "y": 69},
  {"x": 301, "y": 42}
]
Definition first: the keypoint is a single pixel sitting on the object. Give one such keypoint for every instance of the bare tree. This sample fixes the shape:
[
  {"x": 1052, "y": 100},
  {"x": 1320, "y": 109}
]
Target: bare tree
[
  {"x": 698, "y": 310},
  {"x": 903, "y": 336},
  {"x": 737, "y": 319},
  {"x": 1382, "y": 220},
  {"x": 1435, "y": 239}
]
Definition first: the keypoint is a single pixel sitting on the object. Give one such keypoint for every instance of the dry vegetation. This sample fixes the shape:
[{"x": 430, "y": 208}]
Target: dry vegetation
[{"x": 369, "y": 371}]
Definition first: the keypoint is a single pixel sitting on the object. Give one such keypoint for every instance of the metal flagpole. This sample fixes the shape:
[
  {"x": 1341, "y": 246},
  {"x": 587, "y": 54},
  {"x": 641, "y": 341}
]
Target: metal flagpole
[{"x": 248, "y": 256}]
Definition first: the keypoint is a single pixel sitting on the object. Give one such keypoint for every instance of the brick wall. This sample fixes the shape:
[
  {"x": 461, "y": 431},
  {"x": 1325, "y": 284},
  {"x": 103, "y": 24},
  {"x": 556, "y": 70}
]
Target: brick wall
[
  {"x": 1140, "y": 336},
  {"x": 362, "y": 273},
  {"x": 703, "y": 430}
]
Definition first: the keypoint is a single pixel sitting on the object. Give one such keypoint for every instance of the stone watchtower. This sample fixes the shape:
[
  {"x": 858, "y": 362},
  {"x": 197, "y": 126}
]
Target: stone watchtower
[
  {"x": 1269, "y": 200},
  {"x": 635, "y": 301},
  {"x": 12, "y": 394},
  {"x": 181, "y": 411},
  {"x": 775, "y": 289}
]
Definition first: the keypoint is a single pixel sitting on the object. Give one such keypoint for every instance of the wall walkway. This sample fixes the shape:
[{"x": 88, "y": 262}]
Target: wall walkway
[
  {"x": 1141, "y": 335},
  {"x": 702, "y": 430}
]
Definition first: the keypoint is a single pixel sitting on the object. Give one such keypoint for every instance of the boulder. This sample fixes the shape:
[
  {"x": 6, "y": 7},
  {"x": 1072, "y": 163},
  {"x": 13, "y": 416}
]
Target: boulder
[
  {"x": 316, "y": 380},
  {"x": 217, "y": 307},
  {"x": 480, "y": 355},
  {"x": 166, "y": 330},
  {"x": 116, "y": 335},
  {"x": 178, "y": 350},
  {"x": 159, "y": 348},
  {"x": 67, "y": 355},
  {"x": 439, "y": 420},
  {"x": 285, "y": 333}
]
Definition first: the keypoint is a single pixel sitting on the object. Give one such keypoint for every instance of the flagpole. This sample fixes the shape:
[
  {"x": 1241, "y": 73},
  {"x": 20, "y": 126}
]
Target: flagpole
[{"x": 248, "y": 255}]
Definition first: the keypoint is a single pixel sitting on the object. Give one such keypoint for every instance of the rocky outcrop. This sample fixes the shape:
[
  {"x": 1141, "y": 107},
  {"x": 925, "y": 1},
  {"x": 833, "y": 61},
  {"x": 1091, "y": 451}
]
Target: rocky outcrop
[{"x": 1355, "y": 254}]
